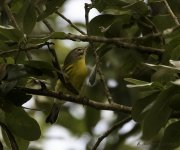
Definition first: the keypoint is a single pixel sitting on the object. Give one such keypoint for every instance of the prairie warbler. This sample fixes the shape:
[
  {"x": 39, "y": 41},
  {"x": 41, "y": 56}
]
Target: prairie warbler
[{"x": 75, "y": 72}]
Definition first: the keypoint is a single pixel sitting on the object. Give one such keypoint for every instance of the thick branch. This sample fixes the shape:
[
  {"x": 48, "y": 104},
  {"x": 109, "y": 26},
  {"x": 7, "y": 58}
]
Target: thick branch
[
  {"x": 116, "y": 41},
  {"x": 78, "y": 100},
  {"x": 85, "y": 38}
]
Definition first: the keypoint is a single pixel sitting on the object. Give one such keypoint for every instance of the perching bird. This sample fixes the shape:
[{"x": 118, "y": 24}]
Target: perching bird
[{"x": 75, "y": 72}]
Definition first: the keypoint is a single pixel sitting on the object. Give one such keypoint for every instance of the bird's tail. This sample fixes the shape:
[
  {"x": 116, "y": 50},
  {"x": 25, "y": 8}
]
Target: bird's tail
[{"x": 54, "y": 112}]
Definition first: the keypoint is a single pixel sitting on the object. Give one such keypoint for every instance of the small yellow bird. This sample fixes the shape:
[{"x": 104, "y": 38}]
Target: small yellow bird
[{"x": 75, "y": 72}]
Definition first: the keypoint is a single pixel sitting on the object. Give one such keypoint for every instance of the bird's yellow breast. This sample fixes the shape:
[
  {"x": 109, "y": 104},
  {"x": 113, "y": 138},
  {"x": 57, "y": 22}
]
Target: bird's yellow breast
[{"x": 77, "y": 73}]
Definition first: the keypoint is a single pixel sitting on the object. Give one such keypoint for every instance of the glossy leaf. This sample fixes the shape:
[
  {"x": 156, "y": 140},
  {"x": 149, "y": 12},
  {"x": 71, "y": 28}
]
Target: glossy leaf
[
  {"x": 29, "y": 19},
  {"x": 2, "y": 71},
  {"x": 39, "y": 68},
  {"x": 10, "y": 33},
  {"x": 10, "y": 137},
  {"x": 175, "y": 55},
  {"x": 58, "y": 35},
  {"x": 102, "y": 5},
  {"x": 6, "y": 87},
  {"x": 135, "y": 81},
  {"x": 51, "y": 7},
  {"x": 103, "y": 49},
  {"x": 142, "y": 105},
  {"x": 175, "y": 102},
  {"x": 19, "y": 122},
  {"x": 171, "y": 138},
  {"x": 15, "y": 71},
  {"x": 17, "y": 97},
  {"x": 161, "y": 22},
  {"x": 139, "y": 7},
  {"x": 100, "y": 23},
  {"x": 118, "y": 26},
  {"x": 159, "y": 113}
]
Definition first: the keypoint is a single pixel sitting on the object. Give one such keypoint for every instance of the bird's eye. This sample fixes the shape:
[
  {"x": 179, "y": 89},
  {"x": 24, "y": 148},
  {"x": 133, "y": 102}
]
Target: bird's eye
[{"x": 79, "y": 49}]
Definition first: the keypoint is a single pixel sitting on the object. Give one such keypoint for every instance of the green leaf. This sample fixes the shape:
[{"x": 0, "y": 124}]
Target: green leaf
[
  {"x": 161, "y": 22},
  {"x": 164, "y": 67},
  {"x": 39, "y": 40},
  {"x": 43, "y": 39},
  {"x": 17, "y": 97},
  {"x": 29, "y": 19},
  {"x": 175, "y": 55},
  {"x": 140, "y": 107},
  {"x": 16, "y": 6},
  {"x": 103, "y": 49},
  {"x": 102, "y": 5},
  {"x": 139, "y": 7},
  {"x": 35, "y": 67},
  {"x": 119, "y": 26},
  {"x": 170, "y": 47},
  {"x": 159, "y": 113},
  {"x": 22, "y": 144},
  {"x": 8, "y": 137},
  {"x": 99, "y": 24},
  {"x": 3, "y": 46},
  {"x": 15, "y": 72},
  {"x": 171, "y": 138},
  {"x": 51, "y": 7},
  {"x": 2, "y": 71},
  {"x": 175, "y": 102},
  {"x": 5, "y": 87},
  {"x": 10, "y": 33},
  {"x": 92, "y": 118},
  {"x": 135, "y": 81},
  {"x": 21, "y": 124},
  {"x": 58, "y": 35}
]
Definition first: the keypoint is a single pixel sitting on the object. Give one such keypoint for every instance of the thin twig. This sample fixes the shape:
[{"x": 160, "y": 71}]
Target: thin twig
[
  {"x": 71, "y": 24},
  {"x": 45, "y": 21},
  {"x": 11, "y": 17},
  {"x": 77, "y": 99},
  {"x": 114, "y": 127},
  {"x": 101, "y": 75},
  {"x": 10, "y": 136},
  {"x": 106, "y": 89},
  {"x": 87, "y": 9},
  {"x": 23, "y": 49},
  {"x": 171, "y": 13}
]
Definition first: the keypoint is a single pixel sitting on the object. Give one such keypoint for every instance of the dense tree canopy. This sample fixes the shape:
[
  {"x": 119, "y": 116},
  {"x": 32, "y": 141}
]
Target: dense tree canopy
[{"x": 133, "y": 52}]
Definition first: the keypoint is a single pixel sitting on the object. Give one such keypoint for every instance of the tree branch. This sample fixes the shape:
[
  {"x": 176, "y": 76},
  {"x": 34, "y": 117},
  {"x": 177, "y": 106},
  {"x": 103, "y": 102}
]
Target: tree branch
[
  {"x": 117, "y": 41},
  {"x": 114, "y": 127},
  {"x": 45, "y": 21},
  {"x": 78, "y": 100},
  {"x": 23, "y": 49},
  {"x": 71, "y": 24},
  {"x": 171, "y": 12},
  {"x": 86, "y": 38},
  {"x": 11, "y": 17}
]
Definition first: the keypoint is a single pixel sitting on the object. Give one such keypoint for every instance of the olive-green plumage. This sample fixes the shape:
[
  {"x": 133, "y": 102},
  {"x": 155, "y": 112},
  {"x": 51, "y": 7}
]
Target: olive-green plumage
[{"x": 75, "y": 72}]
